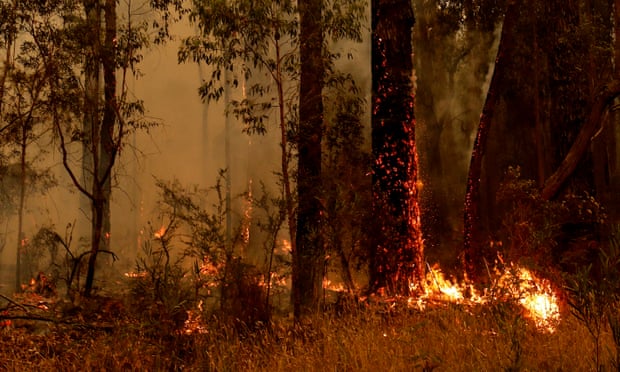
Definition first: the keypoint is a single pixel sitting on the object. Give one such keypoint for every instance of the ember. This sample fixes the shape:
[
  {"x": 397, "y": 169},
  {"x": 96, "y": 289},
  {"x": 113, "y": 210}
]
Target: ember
[{"x": 160, "y": 233}]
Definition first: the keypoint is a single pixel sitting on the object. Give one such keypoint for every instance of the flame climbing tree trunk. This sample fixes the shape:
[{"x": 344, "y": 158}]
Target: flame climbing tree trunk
[
  {"x": 397, "y": 254},
  {"x": 309, "y": 255}
]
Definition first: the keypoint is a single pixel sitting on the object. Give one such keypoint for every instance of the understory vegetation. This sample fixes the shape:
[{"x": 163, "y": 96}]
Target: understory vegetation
[
  {"x": 193, "y": 301},
  {"x": 369, "y": 336}
]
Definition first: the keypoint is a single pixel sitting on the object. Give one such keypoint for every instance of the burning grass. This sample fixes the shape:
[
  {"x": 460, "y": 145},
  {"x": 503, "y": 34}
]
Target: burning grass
[{"x": 372, "y": 335}]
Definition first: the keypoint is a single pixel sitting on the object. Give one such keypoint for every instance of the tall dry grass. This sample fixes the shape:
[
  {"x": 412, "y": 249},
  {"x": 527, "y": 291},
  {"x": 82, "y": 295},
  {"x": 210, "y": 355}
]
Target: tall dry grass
[{"x": 377, "y": 338}]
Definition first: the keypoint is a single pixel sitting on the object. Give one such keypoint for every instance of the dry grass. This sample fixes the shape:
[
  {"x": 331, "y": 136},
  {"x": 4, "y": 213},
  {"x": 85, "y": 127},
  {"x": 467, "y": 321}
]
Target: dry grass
[{"x": 443, "y": 338}]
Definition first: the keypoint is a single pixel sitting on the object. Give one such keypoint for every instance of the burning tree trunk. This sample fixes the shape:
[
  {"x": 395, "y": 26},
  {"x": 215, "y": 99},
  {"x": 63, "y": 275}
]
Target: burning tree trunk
[
  {"x": 397, "y": 255},
  {"x": 309, "y": 255},
  {"x": 472, "y": 228}
]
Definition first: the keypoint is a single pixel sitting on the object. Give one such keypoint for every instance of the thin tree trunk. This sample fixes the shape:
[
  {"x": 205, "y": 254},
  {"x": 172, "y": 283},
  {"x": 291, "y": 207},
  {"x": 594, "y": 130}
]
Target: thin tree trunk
[
  {"x": 103, "y": 146},
  {"x": 8, "y": 62},
  {"x": 472, "y": 238},
  {"x": 90, "y": 128},
  {"x": 108, "y": 147},
  {"x": 617, "y": 39},
  {"x": 20, "y": 211},
  {"x": 285, "y": 158},
  {"x": 309, "y": 255}
]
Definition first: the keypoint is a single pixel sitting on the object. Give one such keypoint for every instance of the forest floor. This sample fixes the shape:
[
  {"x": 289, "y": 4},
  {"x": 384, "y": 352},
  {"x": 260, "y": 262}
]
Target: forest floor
[{"x": 111, "y": 333}]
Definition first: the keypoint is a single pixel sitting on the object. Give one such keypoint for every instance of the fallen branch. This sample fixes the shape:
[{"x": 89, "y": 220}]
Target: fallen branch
[
  {"x": 553, "y": 184},
  {"x": 14, "y": 303}
]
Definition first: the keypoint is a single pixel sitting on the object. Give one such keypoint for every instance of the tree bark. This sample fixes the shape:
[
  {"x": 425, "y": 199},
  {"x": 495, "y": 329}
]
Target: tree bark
[
  {"x": 309, "y": 255},
  {"x": 103, "y": 147},
  {"x": 91, "y": 122},
  {"x": 397, "y": 254}
]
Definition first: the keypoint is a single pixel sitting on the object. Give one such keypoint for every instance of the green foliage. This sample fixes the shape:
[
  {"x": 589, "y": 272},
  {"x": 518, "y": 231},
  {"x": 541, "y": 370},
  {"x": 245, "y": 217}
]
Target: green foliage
[
  {"x": 346, "y": 184},
  {"x": 594, "y": 296},
  {"x": 255, "y": 43}
]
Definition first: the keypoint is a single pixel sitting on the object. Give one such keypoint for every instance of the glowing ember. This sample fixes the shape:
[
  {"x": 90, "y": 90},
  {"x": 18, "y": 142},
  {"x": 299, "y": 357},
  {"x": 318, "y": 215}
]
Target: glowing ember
[
  {"x": 336, "y": 287},
  {"x": 286, "y": 246},
  {"x": 247, "y": 215},
  {"x": 160, "y": 233},
  {"x": 132, "y": 274},
  {"x": 277, "y": 280},
  {"x": 194, "y": 323}
]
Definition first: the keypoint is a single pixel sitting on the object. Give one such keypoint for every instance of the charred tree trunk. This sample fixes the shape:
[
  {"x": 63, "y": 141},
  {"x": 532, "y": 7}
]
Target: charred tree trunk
[
  {"x": 309, "y": 255},
  {"x": 473, "y": 238},
  {"x": 397, "y": 255}
]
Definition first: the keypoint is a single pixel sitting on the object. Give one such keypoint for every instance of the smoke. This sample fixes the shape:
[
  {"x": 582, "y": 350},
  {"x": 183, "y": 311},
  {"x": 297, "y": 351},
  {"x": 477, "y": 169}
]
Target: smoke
[
  {"x": 188, "y": 145},
  {"x": 453, "y": 70}
]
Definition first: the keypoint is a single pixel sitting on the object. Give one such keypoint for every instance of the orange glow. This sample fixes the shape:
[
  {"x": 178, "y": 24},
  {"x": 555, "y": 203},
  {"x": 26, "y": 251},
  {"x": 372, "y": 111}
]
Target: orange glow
[
  {"x": 336, "y": 287},
  {"x": 194, "y": 323},
  {"x": 534, "y": 295},
  {"x": 160, "y": 233},
  {"x": 133, "y": 274},
  {"x": 286, "y": 246}
]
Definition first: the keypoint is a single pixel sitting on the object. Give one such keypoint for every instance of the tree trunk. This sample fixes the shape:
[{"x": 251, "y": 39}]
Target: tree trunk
[
  {"x": 8, "y": 61},
  {"x": 108, "y": 147},
  {"x": 473, "y": 238},
  {"x": 397, "y": 255},
  {"x": 103, "y": 147},
  {"x": 20, "y": 211},
  {"x": 309, "y": 255},
  {"x": 91, "y": 126}
]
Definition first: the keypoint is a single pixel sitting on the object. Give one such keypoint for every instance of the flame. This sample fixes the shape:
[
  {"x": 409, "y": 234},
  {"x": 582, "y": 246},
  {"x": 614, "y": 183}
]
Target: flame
[
  {"x": 133, "y": 274},
  {"x": 534, "y": 295},
  {"x": 336, "y": 287},
  {"x": 247, "y": 215},
  {"x": 286, "y": 246},
  {"x": 277, "y": 280},
  {"x": 194, "y": 323},
  {"x": 160, "y": 233}
]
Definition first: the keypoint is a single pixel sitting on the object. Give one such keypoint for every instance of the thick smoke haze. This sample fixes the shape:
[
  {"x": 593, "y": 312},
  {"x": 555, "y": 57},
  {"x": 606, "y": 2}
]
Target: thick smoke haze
[{"x": 188, "y": 145}]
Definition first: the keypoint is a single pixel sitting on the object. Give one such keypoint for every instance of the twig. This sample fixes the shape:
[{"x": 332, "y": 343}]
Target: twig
[
  {"x": 433, "y": 274},
  {"x": 486, "y": 265},
  {"x": 14, "y": 303}
]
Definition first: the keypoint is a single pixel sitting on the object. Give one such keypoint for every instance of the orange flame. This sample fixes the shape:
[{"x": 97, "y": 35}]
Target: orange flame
[
  {"x": 160, "y": 233},
  {"x": 534, "y": 295}
]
